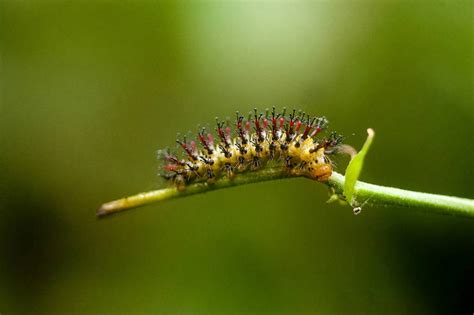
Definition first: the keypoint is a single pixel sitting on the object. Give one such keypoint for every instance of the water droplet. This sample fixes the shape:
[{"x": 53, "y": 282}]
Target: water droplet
[{"x": 357, "y": 210}]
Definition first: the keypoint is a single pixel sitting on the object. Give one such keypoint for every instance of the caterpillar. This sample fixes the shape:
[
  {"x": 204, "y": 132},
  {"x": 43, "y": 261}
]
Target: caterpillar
[{"x": 290, "y": 141}]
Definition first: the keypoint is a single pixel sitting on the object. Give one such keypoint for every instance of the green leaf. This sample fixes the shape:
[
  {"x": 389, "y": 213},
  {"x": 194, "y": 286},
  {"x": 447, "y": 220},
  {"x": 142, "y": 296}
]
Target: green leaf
[
  {"x": 333, "y": 198},
  {"x": 355, "y": 167}
]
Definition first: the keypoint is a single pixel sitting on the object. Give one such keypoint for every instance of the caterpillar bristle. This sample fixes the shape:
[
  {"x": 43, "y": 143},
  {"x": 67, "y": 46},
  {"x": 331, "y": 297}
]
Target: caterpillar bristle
[{"x": 290, "y": 140}]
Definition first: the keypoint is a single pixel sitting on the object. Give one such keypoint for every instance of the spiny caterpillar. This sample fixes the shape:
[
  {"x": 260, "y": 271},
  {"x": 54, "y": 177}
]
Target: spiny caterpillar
[{"x": 288, "y": 141}]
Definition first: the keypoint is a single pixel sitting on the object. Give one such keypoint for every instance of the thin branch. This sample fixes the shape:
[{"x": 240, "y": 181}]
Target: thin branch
[
  {"x": 364, "y": 192},
  {"x": 389, "y": 196}
]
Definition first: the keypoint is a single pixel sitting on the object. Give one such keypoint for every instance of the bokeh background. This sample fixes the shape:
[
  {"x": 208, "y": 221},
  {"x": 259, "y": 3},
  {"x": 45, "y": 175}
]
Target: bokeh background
[{"x": 90, "y": 91}]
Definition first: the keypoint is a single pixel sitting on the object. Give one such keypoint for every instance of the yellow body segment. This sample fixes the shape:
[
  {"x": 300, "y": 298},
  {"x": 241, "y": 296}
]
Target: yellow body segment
[{"x": 299, "y": 158}]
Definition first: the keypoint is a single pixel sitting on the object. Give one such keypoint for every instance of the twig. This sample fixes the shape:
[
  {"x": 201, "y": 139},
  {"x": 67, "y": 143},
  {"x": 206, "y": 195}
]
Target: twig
[{"x": 377, "y": 195}]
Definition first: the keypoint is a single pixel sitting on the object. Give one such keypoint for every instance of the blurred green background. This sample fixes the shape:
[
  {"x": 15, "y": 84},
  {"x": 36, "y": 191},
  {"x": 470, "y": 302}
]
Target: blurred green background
[{"x": 90, "y": 91}]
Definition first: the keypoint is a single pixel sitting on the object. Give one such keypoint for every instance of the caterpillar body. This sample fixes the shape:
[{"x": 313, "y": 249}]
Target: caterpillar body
[{"x": 292, "y": 142}]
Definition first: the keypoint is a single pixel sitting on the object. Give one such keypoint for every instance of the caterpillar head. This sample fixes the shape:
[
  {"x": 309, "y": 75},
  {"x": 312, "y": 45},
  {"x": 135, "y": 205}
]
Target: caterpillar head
[
  {"x": 321, "y": 172},
  {"x": 320, "y": 168}
]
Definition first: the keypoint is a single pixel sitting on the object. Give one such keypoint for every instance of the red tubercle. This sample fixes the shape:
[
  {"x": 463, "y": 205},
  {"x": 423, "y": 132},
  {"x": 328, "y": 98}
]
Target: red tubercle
[
  {"x": 298, "y": 125},
  {"x": 170, "y": 167},
  {"x": 202, "y": 139},
  {"x": 282, "y": 122},
  {"x": 315, "y": 131},
  {"x": 247, "y": 126},
  {"x": 210, "y": 138},
  {"x": 306, "y": 131},
  {"x": 188, "y": 148},
  {"x": 274, "y": 126},
  {"x": 220, "y": 133},
  {"x": 207, "y": 142},
  {"x": 258, "y": 128}
]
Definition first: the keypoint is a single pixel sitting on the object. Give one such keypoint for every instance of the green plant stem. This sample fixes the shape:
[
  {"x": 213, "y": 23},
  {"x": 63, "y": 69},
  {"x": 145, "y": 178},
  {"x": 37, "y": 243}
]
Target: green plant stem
[
  {"x": 202, "y": 187},
  {"x": 389, "y": 196},
  {"x": 364, "y": 192}
]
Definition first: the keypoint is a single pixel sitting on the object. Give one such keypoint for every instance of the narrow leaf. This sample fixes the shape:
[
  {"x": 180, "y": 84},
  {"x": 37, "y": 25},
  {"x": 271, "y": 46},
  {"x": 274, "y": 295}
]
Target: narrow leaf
[{"x": 355, "y": 167}]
